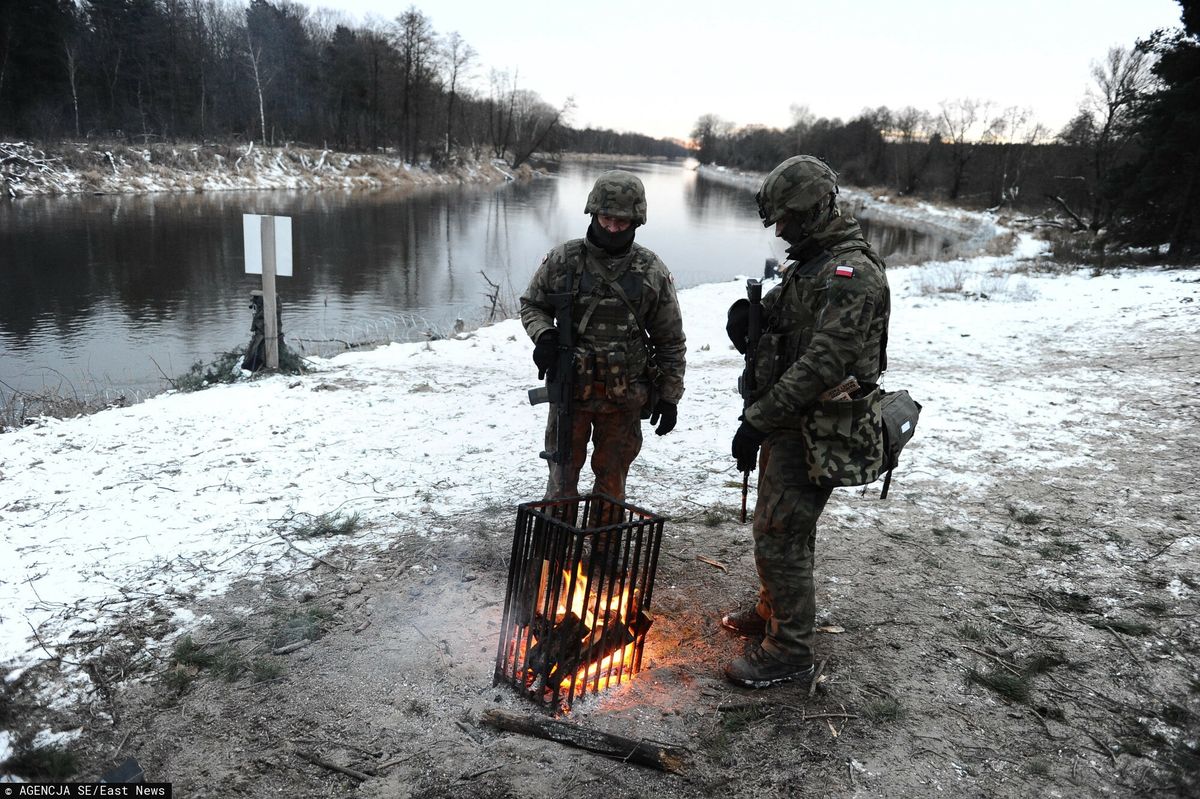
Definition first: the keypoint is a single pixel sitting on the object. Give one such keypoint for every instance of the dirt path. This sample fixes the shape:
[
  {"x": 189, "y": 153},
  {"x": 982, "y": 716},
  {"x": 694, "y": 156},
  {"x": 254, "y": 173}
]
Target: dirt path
[{"x": 1037, "y": 637}]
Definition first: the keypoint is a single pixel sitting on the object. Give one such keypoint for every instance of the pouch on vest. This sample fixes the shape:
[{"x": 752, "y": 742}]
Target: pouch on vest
[
  {"x": 843, "y": 440},
  {"x": 900, "y": 414}
]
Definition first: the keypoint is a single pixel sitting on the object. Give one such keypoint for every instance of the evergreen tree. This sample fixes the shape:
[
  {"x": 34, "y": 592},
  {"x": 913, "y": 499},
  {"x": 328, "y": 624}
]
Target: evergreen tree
[{"x": 1160, "y": 190}]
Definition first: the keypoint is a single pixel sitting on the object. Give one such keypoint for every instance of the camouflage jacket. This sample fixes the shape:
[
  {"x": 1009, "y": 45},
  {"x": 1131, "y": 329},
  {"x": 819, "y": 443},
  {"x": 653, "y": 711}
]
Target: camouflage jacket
[
  {"x": 825, "y": 321},
  {"x": 604, "y": 324}
]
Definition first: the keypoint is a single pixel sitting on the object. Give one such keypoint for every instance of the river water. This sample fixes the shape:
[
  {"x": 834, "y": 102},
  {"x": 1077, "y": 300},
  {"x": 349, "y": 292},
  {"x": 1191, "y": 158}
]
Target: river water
[{"x": 110, "y": 294}]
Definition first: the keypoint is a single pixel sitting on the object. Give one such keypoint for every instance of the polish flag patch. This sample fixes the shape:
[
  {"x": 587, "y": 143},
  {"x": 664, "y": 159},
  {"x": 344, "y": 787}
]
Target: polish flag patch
[{"x": 844, "y": 271}]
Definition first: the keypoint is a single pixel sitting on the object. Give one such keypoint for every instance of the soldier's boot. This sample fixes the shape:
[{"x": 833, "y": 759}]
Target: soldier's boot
[
  {"x": 760, "y": 669},
  {"x": 746, "y": 623}
]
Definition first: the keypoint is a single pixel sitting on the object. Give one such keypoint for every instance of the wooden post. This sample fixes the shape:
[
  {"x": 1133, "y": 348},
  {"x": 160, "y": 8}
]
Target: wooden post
[{"x": 270, "y": 314}]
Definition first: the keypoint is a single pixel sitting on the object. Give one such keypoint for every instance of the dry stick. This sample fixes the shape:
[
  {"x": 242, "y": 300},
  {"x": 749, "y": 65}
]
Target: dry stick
[
  {"x": 642, "y": 752},
  {"x": 1103, "y": 746},
  {"x": 712, "y": 562},
  {"x": 1122, "y": 642},
  {"x": 292, "y": 647},
  {"x": 481, "y": 772},
  {"x": 316, "y": 761},
  {"x": 462, "y": 725},
  {"x": 1003, "y": 663},
  {"x": 812, "y": 687},
  {"x": 306, "y": 554}
]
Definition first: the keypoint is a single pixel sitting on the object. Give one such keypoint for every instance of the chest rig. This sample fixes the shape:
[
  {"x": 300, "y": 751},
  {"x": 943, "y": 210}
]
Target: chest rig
[
  {"x": 611, "y": 350},
  {"x": 797, "y": 311}
]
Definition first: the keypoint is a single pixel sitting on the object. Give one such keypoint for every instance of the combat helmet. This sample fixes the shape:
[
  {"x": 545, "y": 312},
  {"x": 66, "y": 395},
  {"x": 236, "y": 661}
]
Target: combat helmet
[
  {"x": 620, "y": 194},
  {"x": 796, "y": 185}
]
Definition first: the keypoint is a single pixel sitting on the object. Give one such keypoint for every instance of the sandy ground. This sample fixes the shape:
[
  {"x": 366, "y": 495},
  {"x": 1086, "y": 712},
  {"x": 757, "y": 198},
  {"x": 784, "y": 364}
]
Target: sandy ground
[{"x": 1039, "y": 638}]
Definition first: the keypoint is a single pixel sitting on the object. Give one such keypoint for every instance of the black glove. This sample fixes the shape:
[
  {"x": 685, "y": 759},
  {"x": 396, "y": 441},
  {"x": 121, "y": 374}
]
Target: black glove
[
  {"x": 746, "y": 442},
  {"x": 737, "y": 326},
  {"x": 668, "y": 413},
  {"x": 545, "y": 354}
]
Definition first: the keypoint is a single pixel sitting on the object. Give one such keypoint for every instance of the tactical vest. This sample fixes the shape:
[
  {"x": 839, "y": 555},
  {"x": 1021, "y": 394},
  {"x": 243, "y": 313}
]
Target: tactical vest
[
  {"x": 610, "y": 346},
  {"x": 793, "y": 317}
]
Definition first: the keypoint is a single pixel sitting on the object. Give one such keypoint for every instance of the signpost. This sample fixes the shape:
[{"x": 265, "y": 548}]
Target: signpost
[{"x": 268, "y": 246}]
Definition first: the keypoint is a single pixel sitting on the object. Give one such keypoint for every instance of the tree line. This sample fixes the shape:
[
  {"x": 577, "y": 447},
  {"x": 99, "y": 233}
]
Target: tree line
[
  {"x": 272, "y": 72},
  {"x": 1125, "y": 171}
]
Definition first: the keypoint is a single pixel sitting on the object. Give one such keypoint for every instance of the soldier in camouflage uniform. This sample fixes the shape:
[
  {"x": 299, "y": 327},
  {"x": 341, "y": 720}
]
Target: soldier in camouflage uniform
[
  {"x": 825, "y": 321},
  {"x": 629, "y": 343}
]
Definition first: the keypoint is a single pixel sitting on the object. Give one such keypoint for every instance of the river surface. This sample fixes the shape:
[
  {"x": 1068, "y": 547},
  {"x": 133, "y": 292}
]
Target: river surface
[{"x": 109, "y": 295}]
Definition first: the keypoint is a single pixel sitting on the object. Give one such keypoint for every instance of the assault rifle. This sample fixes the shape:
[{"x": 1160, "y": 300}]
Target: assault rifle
[
  {"x": 746, "y": 385},
  {"x": 560, "y": 381}
]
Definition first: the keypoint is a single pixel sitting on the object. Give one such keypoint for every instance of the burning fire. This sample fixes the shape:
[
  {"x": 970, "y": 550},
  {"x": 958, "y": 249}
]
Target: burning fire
[
  {"x": 591, "y": 622},
  {"x": 608, "y": 667}
]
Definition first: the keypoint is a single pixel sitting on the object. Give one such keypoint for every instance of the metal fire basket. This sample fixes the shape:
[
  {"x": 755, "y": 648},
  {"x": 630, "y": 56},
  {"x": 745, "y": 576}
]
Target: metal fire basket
[{"x": 576, "y": 611}]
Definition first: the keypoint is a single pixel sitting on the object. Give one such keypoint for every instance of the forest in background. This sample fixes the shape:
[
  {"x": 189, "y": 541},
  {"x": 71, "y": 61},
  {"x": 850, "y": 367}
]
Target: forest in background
[
  {"x": 1125, "y": 171},
  {"x": 145, "y": 71}
]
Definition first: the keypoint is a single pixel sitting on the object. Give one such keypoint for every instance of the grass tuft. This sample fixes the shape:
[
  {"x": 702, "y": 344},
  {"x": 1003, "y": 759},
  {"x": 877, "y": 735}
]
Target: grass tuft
[
  {"x": 326, "y": 524},
  {"x": 883, "y": 709},
  {"x": 1013, "y": 687},
  {"x": 971, "y": 632},
  {"x": 307, "y": 625}
]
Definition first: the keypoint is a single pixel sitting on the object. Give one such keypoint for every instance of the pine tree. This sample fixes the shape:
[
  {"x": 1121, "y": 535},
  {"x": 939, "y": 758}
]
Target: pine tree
[{"x": 1158, "y": 193}]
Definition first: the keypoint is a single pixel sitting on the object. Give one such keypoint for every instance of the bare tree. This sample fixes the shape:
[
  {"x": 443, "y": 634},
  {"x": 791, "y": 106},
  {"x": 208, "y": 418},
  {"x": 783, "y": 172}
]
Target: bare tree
[
  {"x": 1103, "y": 128},
  {"x": 912, "y": 130},
  {"x": 254, "y": 57},
  {"x": 457, "y": 58},
  {"x": 69, "y": 50},
  {"x": 533, "y": 122},
  {"x": 415, "y": 43},
  {"x": 959, "y": 123},
  {"x": 1014, "y": 132}
]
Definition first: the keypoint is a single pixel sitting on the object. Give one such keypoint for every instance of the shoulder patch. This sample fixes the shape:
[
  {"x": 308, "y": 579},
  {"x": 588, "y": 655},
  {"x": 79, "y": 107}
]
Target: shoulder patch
[{"x": 844, "y": 271}]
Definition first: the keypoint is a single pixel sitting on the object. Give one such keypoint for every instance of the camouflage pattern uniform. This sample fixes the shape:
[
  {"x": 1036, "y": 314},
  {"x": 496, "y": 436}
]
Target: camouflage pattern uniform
[
  {"x": 826, "y": 320},
  {"x": 615, "y": 382}
]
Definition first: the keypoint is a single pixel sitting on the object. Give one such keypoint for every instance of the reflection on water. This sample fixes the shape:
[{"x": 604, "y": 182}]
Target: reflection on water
[{"x": 117, "y": 291}]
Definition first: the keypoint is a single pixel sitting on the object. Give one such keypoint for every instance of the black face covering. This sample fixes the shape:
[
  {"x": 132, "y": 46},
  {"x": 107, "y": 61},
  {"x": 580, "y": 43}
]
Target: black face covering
[
  {"x": 611, "y": 243},
  {"x": 799, "y": 227}
]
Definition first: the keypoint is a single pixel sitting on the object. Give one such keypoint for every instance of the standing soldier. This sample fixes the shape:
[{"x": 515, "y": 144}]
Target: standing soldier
[
  {"x": 627, "y": 336},
  {"x": 825, "y": 322}
]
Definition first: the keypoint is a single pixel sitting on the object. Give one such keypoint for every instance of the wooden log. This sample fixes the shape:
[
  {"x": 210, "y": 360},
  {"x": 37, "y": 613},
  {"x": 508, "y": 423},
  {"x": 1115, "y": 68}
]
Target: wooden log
[{"x": 642, "y": 752}]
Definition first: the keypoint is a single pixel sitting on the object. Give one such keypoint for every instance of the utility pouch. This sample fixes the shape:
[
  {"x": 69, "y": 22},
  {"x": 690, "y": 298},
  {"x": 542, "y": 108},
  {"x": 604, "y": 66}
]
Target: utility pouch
[
  {"x": 615, "y": 375},
  {"x": 843, "y": 440},
  {"x": 900, "y": 414}
]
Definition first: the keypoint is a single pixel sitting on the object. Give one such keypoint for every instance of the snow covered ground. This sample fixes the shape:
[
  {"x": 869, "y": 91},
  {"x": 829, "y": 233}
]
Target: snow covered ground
[{"x": 182, "y": 495}]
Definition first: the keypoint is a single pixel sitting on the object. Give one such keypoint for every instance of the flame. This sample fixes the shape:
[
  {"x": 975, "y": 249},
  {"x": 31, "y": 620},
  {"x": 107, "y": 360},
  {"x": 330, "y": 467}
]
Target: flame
[
  {"x": 610, "y": 665},
  {"x": 584, "y": 604}
]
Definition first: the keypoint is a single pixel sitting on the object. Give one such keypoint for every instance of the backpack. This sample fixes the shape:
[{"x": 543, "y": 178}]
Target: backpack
[{"x": 900, "y": 414}]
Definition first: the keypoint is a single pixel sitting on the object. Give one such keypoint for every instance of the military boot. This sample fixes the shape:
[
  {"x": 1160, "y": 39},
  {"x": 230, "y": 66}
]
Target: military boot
[
  {"x": 760, "y": 669},
  {"x": 746, "y": 623}
]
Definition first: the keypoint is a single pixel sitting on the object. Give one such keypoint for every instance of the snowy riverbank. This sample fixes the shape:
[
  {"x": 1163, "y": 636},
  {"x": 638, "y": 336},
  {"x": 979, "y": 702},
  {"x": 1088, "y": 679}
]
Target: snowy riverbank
[
  {"x": 107, "y": 168},
  {"x": 973, "y": 232}
]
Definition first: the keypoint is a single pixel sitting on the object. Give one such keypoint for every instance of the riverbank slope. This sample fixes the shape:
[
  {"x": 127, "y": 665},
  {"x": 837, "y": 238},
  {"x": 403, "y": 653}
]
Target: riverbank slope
[{"x": 110, "y": 168}]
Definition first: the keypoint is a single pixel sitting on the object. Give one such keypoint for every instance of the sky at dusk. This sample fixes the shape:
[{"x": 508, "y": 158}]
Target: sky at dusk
[{"x": 655, "y": 68}]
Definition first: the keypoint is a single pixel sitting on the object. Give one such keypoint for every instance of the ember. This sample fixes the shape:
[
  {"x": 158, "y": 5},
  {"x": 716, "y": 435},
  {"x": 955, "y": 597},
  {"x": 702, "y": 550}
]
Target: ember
[{"x": 579, "y": 588}]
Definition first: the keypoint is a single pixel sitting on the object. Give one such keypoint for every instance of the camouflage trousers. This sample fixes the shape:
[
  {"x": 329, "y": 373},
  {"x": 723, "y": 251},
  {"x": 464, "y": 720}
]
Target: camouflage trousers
[
  {"x": 615, "y": 432},
  {"x": 785, "y": 538}
]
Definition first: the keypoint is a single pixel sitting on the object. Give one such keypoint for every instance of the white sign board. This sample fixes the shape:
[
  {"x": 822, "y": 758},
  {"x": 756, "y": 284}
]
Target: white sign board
[{"x": 252, "y": 231}]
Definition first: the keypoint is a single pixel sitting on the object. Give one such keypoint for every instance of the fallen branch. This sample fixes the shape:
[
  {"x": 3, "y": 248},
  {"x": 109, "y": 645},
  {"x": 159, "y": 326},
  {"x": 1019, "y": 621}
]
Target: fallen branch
[
  {"x": 290, "y": 648},
  {"x": 316, "y": 761},
  {"x": 812, "y": 687},
  {"x": 712, "y": 562},
  {"x": 641, "y": 752}
]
